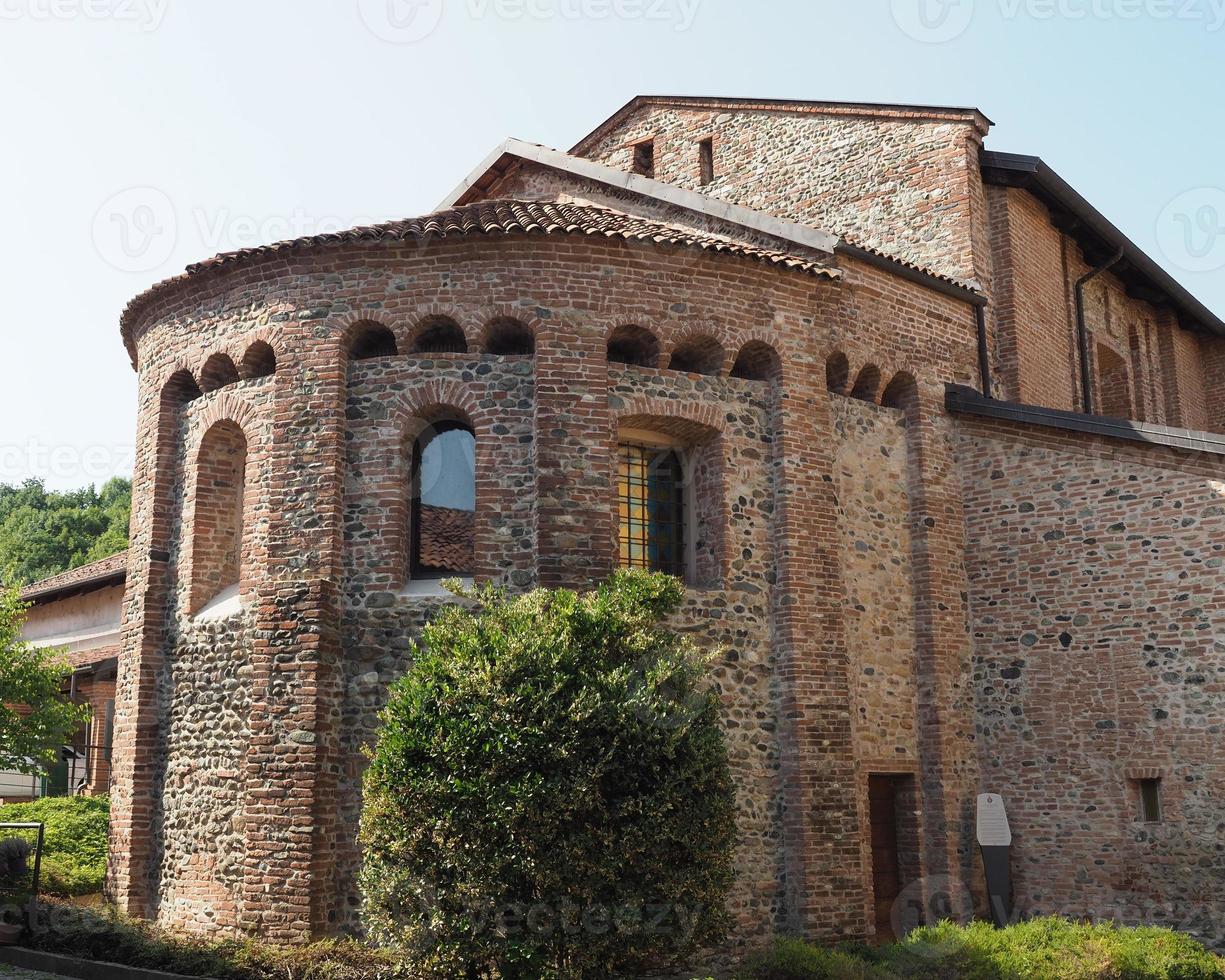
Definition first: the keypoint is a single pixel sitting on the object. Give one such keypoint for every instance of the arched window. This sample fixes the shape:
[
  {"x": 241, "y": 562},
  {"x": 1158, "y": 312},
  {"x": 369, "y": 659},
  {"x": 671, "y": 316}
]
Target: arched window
[
  {"x": 443, "y": 501},
  {"x": 218, "y": 372},
  {"x": 506, "y": 336},
  {"x": 633, "y": 345},
  {"x": 867, "y": 384},
  {"x": 258, "y": 362},
  {"x": 670, "y": 508},
  {"x": 698, "y": 355},
  {"x": 757, "y": 361},
  {"x": 439, "y": 336},
  {"x": 837, "y": 373},
  {"x": 217, "y": 540},
  {"x": 368, "y": 340}
]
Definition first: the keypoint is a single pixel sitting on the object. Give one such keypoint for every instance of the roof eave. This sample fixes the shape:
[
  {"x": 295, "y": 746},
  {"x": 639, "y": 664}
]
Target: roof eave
[{"x": 1031, "y": 173}]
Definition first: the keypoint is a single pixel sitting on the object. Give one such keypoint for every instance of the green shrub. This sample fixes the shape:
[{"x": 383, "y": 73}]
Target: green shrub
[
  {"x": 1043, "y": 949},
  {"x": 104, "y": 934},
  {"x": 550, "y": 794},
  {"x": 74, "y": 845}
]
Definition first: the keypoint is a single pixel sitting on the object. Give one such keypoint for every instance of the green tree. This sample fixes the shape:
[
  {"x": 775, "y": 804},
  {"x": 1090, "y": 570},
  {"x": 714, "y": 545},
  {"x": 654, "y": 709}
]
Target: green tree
[
  {"x": 35, "y": 717},
  {"x": 44, "y": 533},
  {"x": 550, "y": 795}
]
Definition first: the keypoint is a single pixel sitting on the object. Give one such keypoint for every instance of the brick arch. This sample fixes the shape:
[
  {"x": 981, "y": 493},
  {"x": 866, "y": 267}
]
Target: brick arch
[
  {"x": 433, "y": 399},
  {"x": 218, "y": 371},
  {"x": 489, "y": 318},
  {"x": 636, "y": 332},
  {"x": 230, "y": 407},
  {"x": 353, "y": 325},
  {"x": 706, "y": 348},
  {"x": 757, "y": 360},
  {"x": 676, "y": 417},
  {"x": 408, "y": 330}
]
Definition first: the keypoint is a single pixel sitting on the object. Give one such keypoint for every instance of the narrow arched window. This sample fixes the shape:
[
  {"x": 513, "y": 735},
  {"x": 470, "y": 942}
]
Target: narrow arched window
[
  {"x": 443, "y": 513},
  {"x": 652, "y": 509},
  {"x": 217, "y": 540}
]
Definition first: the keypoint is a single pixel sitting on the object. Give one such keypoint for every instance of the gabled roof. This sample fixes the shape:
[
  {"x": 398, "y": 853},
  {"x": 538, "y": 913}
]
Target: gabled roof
[
  {"x": 887, "y": 110},
  {"x": 87, "y": 578},
  {"x": 1098, "y": 237},
  {"x": 514, "y": 153}
]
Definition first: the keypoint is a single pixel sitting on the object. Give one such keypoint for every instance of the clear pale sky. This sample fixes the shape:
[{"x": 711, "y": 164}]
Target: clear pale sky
[{"x": 241, "y": 121}]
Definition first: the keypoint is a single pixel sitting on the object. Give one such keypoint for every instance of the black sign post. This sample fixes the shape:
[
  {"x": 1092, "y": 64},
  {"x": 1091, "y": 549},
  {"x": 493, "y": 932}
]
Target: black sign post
[{"x": 995, "y": 843}]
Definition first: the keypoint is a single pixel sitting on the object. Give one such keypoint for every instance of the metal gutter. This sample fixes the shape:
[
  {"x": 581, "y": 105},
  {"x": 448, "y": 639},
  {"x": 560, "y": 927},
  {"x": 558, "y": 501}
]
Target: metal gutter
[
  {"x": 1141, "y": 272},
  {"x": 962, "y": 400}
]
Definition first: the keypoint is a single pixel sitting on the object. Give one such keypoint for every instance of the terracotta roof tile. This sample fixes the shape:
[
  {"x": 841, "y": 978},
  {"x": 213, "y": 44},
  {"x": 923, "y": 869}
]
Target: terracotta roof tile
[
  {"x": 493, "y": 218},
  {"x": 447, "y": 538},
  {"x": 115, "y": 567}
]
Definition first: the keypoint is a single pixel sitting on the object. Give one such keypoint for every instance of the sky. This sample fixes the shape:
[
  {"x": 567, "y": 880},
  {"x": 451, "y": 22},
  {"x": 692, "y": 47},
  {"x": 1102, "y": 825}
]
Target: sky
[{"x": 142, "y": 135}]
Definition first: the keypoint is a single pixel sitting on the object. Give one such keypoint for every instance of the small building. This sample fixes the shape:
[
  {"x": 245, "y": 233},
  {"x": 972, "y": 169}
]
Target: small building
[{"x": 78, "y": 612}]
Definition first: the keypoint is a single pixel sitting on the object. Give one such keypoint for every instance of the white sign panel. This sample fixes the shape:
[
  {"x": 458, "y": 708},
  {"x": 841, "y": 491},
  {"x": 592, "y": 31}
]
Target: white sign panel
[{"x": 993, "y": 830}]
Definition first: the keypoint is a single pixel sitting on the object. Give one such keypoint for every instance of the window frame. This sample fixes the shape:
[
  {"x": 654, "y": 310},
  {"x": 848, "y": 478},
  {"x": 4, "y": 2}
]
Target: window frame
[
  {"x": 1151, "y": 809},
  {"x": 637, "y": 164},
  {"x": 687, "y": 498},
  {"x": 416, "y": 571}
]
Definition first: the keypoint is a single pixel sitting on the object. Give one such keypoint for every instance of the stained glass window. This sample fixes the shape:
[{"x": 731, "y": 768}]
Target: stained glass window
[{"x": 652, "y": 509}]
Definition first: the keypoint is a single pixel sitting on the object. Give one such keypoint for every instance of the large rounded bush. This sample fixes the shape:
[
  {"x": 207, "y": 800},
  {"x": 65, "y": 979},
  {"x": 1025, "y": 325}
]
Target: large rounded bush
[{"x": 550, "y": 794}]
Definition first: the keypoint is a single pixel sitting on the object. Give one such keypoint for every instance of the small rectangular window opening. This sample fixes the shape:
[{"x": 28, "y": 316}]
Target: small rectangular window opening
[
  {"x": 1150, "y": 800},
  {"x": 706, "y": 160},
  {"x": 644, "y": 158}
]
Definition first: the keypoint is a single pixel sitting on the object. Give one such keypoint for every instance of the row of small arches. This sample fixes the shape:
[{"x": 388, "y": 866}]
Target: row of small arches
[
  {"x": 503, "y": 336},
  {"x": 220, "y": 371},
  {"x": 629, "y": 345},
  {"x": 696, "y": 354},
  {"x": 900, "y": 392}
]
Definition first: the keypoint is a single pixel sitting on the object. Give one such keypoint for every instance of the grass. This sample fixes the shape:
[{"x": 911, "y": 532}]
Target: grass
[
  {"x": 1042, "y": 949},
  {"x": 74, "y": 847}
]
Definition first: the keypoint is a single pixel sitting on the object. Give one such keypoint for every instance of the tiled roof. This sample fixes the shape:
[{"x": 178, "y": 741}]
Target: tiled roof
[
  {"x": 494, "y": 218},
  {"x": 927, "y": 271},
  {"x": 107, "y": 570},
  {"x": 447, "y": 538}
]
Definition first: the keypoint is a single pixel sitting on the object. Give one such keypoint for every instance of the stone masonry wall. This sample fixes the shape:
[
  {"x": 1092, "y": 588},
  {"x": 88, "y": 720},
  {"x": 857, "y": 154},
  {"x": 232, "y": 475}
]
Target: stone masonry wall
[
  {"x": 879, "y": 601},
  {"x": 1098, "y": 620},
  {"x": 895, "y": 180}
]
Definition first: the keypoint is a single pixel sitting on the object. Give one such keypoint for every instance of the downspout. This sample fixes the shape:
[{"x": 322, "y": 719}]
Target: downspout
[
  {"x": 1082, "y": 331},
  {"x": 984, "y": 356}
]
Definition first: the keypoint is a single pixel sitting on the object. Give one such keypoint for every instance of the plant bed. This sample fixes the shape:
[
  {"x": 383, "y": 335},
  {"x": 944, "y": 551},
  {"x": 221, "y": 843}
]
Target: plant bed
[
  {"x": 1041, "y": 949},
  {"x": 74, "y": 846}
]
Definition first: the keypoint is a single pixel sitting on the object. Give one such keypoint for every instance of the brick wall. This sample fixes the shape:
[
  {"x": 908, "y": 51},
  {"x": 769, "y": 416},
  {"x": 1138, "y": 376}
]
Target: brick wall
[{"x": 1093, "y": 571}]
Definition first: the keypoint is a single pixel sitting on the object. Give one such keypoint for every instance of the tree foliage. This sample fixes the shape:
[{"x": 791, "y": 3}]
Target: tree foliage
[
  {"x": 44, "y": 533},
  {"x": 550, "y": 795},
  {"x": 35, "y": 718}
]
